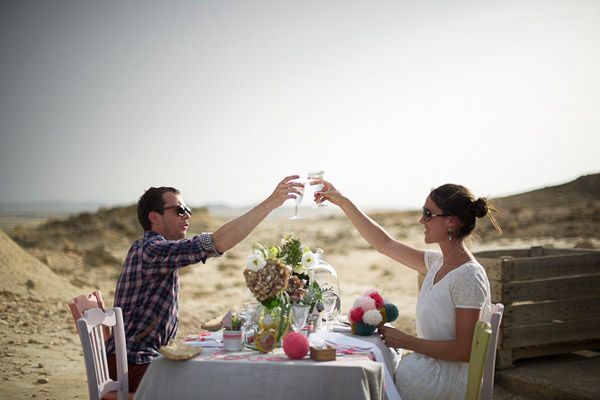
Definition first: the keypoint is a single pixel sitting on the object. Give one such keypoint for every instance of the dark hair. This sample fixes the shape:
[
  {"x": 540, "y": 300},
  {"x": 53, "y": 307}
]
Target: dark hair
[
  {"x": 152, "y": 200},
  {"x": 458, "y": 201}
]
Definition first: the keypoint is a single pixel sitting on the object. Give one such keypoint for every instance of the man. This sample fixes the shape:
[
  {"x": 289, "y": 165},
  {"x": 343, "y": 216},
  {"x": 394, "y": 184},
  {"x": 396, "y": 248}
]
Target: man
[{"x": 148, "y": 287}]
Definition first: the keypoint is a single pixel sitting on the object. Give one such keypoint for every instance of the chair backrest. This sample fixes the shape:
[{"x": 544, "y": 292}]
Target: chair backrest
[
  {"x": 479, "y": 349},
  {"x": 487, "y": 387},
  {"x": 83, "y": 303},
  {"x": 91, "y": 334}
]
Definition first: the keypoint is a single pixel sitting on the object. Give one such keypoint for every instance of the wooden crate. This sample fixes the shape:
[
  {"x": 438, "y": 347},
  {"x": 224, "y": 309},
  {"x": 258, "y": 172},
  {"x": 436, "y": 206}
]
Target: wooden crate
[{"x": 551, "y": 299}]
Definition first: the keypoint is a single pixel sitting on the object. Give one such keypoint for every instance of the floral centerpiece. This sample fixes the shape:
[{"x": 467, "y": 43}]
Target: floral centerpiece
[
  {"x": 279, "y": 276},
  {"x": 369, "y": 312}
]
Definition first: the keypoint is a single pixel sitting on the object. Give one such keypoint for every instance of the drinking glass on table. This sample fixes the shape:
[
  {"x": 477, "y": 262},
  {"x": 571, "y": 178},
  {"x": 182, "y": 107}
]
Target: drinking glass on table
[
  {"x": 298, "y": 316},
  {"x": 249, "y": 313},
  {"x": 329, "y": 299},
  {"x": 319, "y": 187},
  {"x": 297, "y": 202}
]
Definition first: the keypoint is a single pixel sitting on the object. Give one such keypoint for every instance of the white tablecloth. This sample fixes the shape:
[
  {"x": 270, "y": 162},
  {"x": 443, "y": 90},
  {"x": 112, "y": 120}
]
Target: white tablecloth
[{"x": 216, "y": 374}]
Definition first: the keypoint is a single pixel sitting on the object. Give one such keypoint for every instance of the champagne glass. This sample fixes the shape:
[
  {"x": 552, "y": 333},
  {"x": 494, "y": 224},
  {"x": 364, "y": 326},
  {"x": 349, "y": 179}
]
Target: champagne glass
[
  {"x": 298, "y": 316},
  {"x": 329, "y": 299},
  {"x": 297, "y": 202},
  {"x": 319, "y": 187}
]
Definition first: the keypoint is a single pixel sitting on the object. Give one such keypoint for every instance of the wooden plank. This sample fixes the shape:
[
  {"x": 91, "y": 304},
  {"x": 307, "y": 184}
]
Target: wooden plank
[
  {"x": 550, "y": 289},
  {"x": 551, "y": 267},
  {"x": 546, "y": 312},
  {"x": 496, "y": 291},
  {"x": 493, "y": 254},
  {"x": 556, "y": 252},
  {"x": 551, "y": 349},
  {"x": 535, "y": 335},
  {"x": 493, "y": 268}
]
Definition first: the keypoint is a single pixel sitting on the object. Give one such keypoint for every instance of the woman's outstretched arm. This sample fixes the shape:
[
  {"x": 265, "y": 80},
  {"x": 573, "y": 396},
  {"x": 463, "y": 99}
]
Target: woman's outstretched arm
[{"x": 371, "y": 230}]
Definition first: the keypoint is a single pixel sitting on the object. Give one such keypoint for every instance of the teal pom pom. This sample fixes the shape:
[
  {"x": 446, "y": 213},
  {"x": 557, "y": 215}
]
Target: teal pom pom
[
  {"x": 363, "y": 329},
  {"x": 391, "y": 312}
]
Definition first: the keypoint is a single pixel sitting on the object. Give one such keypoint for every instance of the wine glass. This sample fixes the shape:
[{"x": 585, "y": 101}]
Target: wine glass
[
  {"x": 249, "y": 313},
  {"x": 298, "y": 316},
  {"x": 297, "y": 202},
  {"x": 319, "y": 187},
  {"x": 329, "y": 299}
]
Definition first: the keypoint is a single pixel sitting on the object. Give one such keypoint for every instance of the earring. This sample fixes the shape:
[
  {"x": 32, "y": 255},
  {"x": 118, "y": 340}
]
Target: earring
[{"x": 450, "y": 234}]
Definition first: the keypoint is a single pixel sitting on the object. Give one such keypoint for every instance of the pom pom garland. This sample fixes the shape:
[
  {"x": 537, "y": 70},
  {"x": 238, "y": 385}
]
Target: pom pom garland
[
  {"x": 370, "y": 312},
  {"x": 295, "y": 345}
]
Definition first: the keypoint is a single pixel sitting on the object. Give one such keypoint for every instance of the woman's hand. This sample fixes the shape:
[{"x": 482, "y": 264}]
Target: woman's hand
[
  {"x": 329, "y": 192},
  {"x": 395, "y": 338}
]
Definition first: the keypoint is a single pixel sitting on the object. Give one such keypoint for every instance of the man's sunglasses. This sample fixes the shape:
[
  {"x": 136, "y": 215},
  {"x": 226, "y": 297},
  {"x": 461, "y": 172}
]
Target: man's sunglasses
[
  {"x": 181, "y": 210},
  {"x": 427, "y": 214}
]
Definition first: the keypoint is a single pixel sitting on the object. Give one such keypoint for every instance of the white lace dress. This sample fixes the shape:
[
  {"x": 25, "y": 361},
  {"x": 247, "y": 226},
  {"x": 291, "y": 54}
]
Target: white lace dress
[{"x": 422, "y": 377}]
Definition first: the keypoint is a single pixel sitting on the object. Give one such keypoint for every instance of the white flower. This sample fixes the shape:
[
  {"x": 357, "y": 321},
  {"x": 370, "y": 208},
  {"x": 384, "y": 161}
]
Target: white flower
[
  {"x": 256, "y": 261},
  {"x": 299, "y": 269},
  {"x": 308, "y": 259},
  {"x": 372, "y": 317}
]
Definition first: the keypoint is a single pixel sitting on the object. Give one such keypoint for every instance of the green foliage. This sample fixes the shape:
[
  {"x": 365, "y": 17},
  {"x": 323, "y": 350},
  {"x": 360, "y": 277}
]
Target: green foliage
[
  {"x": 313, "y": 295},
  {"x": 291, "y": 251},
  {"x": 236, "y": 323}
]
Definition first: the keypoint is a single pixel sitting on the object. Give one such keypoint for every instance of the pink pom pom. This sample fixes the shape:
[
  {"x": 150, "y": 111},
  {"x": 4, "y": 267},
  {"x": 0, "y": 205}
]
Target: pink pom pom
[
  {"x": 378, "y": 299},
  {"x": 295, "y": 345},
  {"x": 356, "y": 315},
  {"x": 366, "y": 303}
]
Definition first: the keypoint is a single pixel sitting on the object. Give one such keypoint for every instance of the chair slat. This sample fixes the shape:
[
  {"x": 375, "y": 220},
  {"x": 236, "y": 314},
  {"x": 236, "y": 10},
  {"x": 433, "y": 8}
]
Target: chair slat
[{"x": 479, "y": 347}]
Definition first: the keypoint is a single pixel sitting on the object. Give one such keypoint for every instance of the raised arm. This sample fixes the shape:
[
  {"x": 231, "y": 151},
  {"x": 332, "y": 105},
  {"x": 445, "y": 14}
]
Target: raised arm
[
  {"x": 238, "y": 229},
  {"x": 371, "y": 230}
]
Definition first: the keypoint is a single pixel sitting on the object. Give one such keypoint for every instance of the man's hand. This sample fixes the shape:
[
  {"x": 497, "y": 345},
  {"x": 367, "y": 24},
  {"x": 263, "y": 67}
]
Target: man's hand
[
  {"x": 238, "y": 229},
  {"x": 286, "y": 189}
]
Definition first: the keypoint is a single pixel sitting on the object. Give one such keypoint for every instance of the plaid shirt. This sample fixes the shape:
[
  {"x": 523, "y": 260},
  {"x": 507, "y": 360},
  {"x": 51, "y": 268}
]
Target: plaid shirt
[{"x": 148, "y": 290}]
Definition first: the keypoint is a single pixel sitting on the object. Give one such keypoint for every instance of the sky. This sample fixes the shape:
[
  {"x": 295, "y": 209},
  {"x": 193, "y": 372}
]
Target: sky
[{"x": 100, "y": 100}]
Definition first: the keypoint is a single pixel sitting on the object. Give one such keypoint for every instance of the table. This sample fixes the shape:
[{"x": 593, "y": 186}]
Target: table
[{"x": 215, "y": 374}]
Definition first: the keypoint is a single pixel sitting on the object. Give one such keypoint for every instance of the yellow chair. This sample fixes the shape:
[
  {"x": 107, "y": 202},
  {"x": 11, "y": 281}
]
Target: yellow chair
[
  {"x": 479, "y": 351},
  {"x": 487, "y": 387}
]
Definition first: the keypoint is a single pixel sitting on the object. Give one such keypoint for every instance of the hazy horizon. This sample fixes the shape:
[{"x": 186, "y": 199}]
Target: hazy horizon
[{"x": 102, "y": 100}]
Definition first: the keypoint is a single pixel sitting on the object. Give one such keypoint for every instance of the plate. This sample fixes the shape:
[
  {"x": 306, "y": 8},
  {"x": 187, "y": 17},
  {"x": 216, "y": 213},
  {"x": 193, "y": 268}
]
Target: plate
[{"x": 179, "y": 351}]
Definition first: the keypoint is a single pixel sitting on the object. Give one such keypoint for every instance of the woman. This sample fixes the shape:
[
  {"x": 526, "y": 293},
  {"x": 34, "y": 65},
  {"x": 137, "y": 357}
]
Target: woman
[{"x": 454, "y": 293}]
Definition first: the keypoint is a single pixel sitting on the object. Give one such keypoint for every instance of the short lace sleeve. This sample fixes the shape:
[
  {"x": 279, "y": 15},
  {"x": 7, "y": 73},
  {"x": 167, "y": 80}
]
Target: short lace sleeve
[
  {"x": 469, "y": 286},
  {"x": 432, "y": 259}
]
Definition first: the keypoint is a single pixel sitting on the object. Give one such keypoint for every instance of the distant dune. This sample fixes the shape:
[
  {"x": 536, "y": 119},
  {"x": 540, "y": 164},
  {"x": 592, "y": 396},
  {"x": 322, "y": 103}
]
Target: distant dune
[{"x": 23, "y": 274}]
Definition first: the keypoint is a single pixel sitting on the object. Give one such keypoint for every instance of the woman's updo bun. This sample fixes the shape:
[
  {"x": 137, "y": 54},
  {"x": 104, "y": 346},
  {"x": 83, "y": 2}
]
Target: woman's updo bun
[{"x": 480, "y": 207}]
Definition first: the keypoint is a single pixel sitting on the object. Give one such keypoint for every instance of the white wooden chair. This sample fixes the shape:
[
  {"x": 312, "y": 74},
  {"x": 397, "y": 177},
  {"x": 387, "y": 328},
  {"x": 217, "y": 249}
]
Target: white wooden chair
[
  {"x": 487, "y": 387},
  {"x": 479, "y": 351},
  {"x": 91, "y": 333}
]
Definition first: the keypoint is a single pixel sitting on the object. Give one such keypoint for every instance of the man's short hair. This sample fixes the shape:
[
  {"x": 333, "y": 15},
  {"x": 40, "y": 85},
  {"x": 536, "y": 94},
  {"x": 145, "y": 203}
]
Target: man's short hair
[{"x": 152, "y": 200}]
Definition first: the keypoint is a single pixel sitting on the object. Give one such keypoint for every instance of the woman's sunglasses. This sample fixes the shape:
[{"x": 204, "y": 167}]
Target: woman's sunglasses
[
  {"x": 180, "y": 210},
  {"x": 427, "y": 214}
]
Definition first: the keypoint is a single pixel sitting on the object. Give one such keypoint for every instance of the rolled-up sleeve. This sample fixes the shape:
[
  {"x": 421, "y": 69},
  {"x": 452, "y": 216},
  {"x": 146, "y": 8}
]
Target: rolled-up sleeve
[
  {"x": 207, "y": 246},
  {"x": 163, "y": 256}
]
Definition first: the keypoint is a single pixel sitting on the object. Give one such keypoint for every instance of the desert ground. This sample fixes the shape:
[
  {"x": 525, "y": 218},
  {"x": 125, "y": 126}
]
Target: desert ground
[{"x": 46, "y": 262}]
